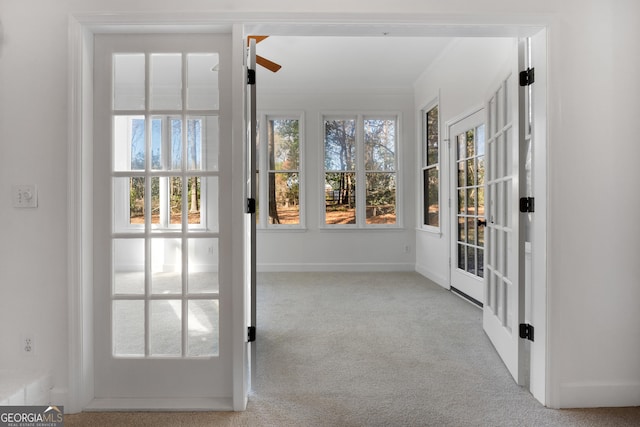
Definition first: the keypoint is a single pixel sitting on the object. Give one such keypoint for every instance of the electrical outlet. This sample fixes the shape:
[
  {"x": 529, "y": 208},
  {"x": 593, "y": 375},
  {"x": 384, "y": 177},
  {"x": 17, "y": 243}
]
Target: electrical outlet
[{"x": 28, "y": 344}]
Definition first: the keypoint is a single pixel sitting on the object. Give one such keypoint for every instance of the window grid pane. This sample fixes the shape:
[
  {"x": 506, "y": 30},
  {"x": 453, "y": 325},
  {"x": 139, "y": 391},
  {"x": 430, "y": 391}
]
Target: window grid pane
[
  {"x": 431, "y": 176},
  {"x": 165, "y": 165},
  {"x": 283, "y": 158}
]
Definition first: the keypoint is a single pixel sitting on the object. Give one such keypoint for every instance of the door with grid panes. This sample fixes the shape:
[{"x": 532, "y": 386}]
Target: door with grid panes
[
  {"x": 467, "y": 139},
  {"x": 503, "y": 310},
  {"x": 161, "y": 215}
]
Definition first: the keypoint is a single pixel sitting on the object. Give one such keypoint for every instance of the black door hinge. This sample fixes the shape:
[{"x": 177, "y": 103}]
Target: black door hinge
[
  {"x": 251, "y": 77},
  {"x": 251, "y": 206},
  {"x": 527, "y": 204},
  {"x": 526, "y": 331},
  {"x": 527, "y": 77},
  {"x": 251, "y": 333}
]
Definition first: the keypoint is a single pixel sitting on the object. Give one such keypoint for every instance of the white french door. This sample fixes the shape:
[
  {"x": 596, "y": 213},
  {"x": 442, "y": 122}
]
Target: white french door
[
  {"x": 504, "y": 275},
  {"x": 468, "y": 166},
  {"x": 162, "y": 284}
]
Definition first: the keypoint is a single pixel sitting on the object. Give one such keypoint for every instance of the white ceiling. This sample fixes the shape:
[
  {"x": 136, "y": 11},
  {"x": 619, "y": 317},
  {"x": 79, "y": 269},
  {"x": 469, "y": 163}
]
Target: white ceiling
[{"x": 339, "y": 63}]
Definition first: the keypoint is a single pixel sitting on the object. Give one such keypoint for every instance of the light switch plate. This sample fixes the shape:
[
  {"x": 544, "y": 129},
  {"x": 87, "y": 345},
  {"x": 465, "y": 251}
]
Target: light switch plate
[{"x": 25, "y": 196}]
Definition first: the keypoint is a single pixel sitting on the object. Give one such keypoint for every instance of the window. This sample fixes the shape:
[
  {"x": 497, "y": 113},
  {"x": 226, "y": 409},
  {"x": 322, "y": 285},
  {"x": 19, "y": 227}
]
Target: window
[
  {"x": 360, "y": 172},
  {"x": 282, "y": 163},
  {"x": 431, "y": 168}
]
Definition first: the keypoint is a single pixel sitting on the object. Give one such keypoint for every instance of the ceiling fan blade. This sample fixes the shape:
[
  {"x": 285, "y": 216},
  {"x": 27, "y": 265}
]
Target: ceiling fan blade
[
  {"x": 269, "y": 65},
  {"x": 258, "y": 39}
]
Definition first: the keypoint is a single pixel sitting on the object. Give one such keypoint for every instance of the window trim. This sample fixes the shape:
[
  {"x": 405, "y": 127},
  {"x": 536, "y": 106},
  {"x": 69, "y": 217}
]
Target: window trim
[
  {"x": 262, "y": 222},
  {"x": 360, "y": 116},
  {"x": 423, "y": 167}
]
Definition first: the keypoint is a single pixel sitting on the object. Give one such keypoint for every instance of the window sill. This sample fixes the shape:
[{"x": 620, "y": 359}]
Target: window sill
[
  {"x": 282, "y": 229},
  {"x": 430, "y": 230}
]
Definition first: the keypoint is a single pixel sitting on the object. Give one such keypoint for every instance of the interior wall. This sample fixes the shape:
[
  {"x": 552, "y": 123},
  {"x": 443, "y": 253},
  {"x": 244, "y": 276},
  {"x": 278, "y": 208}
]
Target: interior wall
[
  {"x": 320, "y": 249},
  {"x": 593, "y": 245},
  {"x": 461, "y": 79}
]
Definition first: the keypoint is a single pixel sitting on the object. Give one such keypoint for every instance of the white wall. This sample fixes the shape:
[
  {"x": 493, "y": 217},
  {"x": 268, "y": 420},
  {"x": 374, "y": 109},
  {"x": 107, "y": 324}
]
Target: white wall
[
  {"x": 318, "y": 249},
  {"x": 461, "y": 79},
  {"x": 593, "y": 245}
]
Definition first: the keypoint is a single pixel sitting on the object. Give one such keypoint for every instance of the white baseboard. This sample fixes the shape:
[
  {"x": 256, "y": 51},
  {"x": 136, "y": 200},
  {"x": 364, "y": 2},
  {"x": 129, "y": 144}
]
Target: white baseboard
[
  {"x": 439, "y": 280},
  {"x": 160, "y": 404},
  {"x": 334, "y": 267},
  {"x": 599, "y": 395}
]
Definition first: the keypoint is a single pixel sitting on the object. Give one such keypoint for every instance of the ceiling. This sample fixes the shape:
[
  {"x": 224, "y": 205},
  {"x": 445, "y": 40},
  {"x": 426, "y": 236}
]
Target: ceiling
[{"x": 346, "y": 63}]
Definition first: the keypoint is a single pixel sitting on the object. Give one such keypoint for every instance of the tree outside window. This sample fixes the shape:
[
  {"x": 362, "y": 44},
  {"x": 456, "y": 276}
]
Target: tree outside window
[
  {"x": 360, "y": 190},
  {"x": 431, "y": 169}
]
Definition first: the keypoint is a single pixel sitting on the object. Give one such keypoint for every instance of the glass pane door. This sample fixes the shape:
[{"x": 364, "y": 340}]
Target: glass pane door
[{"x": 470, "y": 161}]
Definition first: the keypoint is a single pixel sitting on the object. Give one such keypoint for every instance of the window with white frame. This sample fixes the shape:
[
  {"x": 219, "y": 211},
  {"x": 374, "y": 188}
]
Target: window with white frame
[
  {"x": 431, "y": 167},
  {"x": 360, "y": 170},
  {"x": 281, "y": 160}
]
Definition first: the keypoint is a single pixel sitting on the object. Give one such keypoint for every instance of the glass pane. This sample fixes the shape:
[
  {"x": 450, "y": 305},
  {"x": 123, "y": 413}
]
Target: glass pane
[
  {"x": 481, "y": 170},
  {"x": 203, "y": 328},
  {"x": 195, "y": 134},
  {"x": 461, "y": 147},
  {"x": 129, "y": 143},
  {"x": 136, "y": 200},
  {"x": 339, "y": 145},
  {"x": 165, "y": 90},
  {"x": 482, "y": 223},
  {"x": 462, "y": 206},
  {"x": 128, "y": 328},
  {"x": 157, "y": 146},
  {"x": 340, "y": 198},
  {"x": 471, "y": 201},
  {"x": 206, "y": 218},
  {"x": 480, "y": 198},
  {"x": 174, "y": 191},
  {"x": 480, "y": 140},
  {"x": 194, "y": 200},
  {"x": 480, "y": 263},
  {"x": 284, "y": 144},
  {"x": 128, "y": 266},
  {"x": 176, "y": 144},
  {"x": 462, "y": 255},
  {"x": 462, "y": 231},
  {"x": 202, "y": 143},
  {"x": 379, "y": 144},
  {"x": 471, "y": 172},
  {"x": 431, "y": 189},
  {"x": 210, "y": 143},
  {"x": 165, "y": 328},
  {"x": 128, "y": 81},
  {"x": 284, "y": 198},
  {"x": 156, "y": 212},
  {"x": 202, "y": 81},
  {"x": 471, "y": 260},
  {"x": 166, "y": 266},
  {"x": 471, "y": 230},
  {"x": 461, "y": 178},
  {"x": 203, "y": 265},
  {"x": 470, "y": 144},
  {"x": 432, "y": 136},
  {"x": 381, "y": 198}
]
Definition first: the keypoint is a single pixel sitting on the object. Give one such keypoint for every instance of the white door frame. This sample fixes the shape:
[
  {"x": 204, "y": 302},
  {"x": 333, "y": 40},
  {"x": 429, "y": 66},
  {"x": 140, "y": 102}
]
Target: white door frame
[
  {"x": 79, "y": 183},
  {"x": 452, "y": 194}
]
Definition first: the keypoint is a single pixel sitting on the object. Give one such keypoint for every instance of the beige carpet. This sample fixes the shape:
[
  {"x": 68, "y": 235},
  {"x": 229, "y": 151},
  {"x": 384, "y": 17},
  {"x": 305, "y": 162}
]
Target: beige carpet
[{"x": 373, "y": 349}]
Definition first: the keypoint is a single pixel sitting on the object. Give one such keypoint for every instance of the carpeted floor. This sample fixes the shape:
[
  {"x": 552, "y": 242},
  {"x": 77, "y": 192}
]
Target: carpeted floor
[{"x": 373, "y": 349}]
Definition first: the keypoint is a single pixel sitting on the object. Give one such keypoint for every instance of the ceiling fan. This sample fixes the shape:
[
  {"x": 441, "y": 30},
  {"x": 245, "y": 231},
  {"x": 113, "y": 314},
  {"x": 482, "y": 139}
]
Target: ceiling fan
[{"x": 269, "y": 65}]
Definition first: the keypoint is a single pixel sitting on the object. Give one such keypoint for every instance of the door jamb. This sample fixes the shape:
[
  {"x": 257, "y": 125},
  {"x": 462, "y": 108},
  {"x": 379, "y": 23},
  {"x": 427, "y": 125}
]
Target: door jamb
[{"x": 80, "y": 56}]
